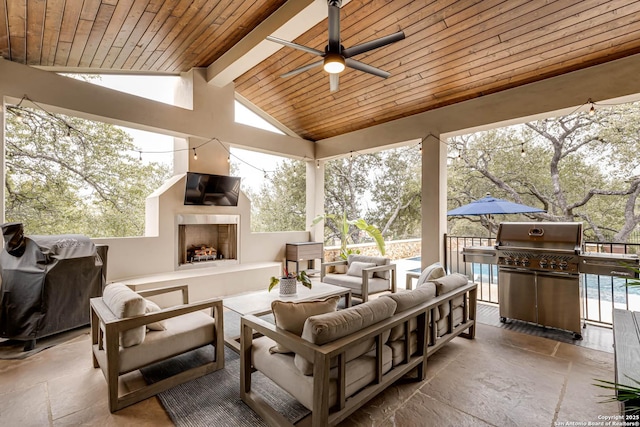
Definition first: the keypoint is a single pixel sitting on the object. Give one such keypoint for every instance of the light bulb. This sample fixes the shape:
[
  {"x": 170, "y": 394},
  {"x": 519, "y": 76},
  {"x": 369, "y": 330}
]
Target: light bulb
[
  {"x": 592, "y": 110},
  {"x": 318, "y": 165},
  {"x": 195, "y": 155},
  {"x": 523, "y": 153},
  {"x": 333, "y": 63}
]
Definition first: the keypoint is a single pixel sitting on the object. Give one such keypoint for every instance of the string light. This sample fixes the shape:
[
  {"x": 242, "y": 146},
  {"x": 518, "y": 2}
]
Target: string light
[
  {"x": 522, "y": 152},
  {"x": 318, "y": 164},
  {"x": 229, "y": 158},
  {"x": 140, "y": 155},
  {"x": 420, "y": 147},
  {"x": 592, "y": 110},
  {"x": 195, "y": 155}
]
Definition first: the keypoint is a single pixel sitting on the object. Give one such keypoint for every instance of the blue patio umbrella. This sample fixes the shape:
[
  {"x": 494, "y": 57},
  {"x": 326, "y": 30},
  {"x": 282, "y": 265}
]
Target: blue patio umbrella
[{"x": 492, "y": 206}]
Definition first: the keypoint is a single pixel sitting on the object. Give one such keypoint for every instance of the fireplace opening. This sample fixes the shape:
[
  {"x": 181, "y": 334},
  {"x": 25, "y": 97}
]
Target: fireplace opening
[{"x": 207, "y": 243}]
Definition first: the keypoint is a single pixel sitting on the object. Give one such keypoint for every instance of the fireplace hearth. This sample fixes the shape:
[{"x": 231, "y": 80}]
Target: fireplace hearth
[{"x": 207, "y": 239}]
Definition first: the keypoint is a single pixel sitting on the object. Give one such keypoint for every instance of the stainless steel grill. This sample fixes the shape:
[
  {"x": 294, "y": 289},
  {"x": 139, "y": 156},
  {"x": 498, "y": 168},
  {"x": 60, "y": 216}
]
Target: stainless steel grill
[{"x": 539, "y": 266}]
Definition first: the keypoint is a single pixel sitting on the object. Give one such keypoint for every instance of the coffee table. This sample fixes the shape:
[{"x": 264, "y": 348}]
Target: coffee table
[{"x": 259, "y": 303}]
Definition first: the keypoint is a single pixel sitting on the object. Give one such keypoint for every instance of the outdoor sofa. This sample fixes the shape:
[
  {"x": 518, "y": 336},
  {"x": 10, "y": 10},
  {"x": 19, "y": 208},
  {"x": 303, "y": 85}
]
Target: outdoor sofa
[{"x": 333, "y": 363}]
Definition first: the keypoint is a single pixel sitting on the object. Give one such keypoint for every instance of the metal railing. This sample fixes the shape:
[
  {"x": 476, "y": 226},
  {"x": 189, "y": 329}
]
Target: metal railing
[{"x": 599, "y": 294}]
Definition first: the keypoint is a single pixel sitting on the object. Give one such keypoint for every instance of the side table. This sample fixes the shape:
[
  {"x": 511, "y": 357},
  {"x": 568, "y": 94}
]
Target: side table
[{"x": 304, "y": 251}]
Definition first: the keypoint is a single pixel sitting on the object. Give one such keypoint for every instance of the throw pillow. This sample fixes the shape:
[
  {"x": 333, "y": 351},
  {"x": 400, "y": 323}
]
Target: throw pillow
[
  {"x": 356, "y": 267},
  {"x": 152, "y": 307},
  {"x": 123, "y": 303},
  {"x": 377, "y": 260},
  {"x": 291, "y": 316},
  {"x": 434, "y": 271}
]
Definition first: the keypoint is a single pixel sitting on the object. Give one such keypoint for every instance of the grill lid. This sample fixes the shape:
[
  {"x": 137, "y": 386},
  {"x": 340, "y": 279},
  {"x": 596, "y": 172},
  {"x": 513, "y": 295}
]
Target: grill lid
[{"x": 559, "y": 236}]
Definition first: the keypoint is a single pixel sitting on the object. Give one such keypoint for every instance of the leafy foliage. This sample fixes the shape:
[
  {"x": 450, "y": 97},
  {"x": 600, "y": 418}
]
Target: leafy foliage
[
  {"x": 344, "y": 225},
  {"x": 280, "y": 204},
  {"x": 578, "y": 168},
  {"x": 69, "y": 175}
]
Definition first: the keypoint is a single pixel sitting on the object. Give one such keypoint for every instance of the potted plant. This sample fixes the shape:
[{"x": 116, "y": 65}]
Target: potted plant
[{"x": 288, "y": 282}]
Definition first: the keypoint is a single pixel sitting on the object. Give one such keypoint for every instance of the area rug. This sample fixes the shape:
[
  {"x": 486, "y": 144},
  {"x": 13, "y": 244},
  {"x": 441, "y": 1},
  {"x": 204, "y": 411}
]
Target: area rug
[
  {"x": 14, "y": 349},
  {"x": 214, "y": 400}
]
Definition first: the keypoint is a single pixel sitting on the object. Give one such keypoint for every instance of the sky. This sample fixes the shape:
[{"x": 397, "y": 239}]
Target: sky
[{"x": 251, "y": 165}]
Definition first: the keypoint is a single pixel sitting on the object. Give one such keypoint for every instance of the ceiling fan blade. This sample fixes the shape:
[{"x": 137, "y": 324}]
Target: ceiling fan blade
[
  {"x": 302, "y": 69},
  {"x": 373, "y": 44},
  {"x": 334, "y": 25},
  {"x": 357, "y": 65},
  {"x": 295, "y": 46},
  {"x": 334, "y": 82}
]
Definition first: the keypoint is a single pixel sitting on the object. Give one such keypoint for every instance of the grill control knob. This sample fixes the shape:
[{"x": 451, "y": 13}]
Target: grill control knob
[
  {"x": 563, "y": 265},
  {"x": 508, "y": 260},
  {"x": 552, "y": 264},
  {"x": 543, "y": 262},
  {"x": 524, "y": 262}
]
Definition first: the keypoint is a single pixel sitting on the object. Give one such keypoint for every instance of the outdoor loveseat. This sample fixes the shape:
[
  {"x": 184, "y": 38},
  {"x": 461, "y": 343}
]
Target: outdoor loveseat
[{"x": 344, "y": 358}]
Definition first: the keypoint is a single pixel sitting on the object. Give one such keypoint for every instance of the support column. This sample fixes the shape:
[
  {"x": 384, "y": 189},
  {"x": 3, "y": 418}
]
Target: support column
[
  {"x": 315, "y": 198},
  {"x": 434, "y": 199}
]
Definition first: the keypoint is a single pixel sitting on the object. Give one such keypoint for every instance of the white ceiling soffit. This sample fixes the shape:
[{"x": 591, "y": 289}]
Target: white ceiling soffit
[{"x": 287, "y": 23}]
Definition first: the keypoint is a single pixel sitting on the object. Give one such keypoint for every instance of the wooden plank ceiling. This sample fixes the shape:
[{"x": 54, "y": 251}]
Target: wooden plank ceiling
[{"x": 454, "y": 50}]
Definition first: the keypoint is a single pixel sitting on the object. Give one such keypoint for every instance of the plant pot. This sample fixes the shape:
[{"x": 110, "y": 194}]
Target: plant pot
[{"x": 288, "y": 286}]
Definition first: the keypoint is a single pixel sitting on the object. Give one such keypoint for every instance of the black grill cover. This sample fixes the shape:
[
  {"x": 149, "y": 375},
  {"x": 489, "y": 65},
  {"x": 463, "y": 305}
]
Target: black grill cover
[{"x": 47, "y": 282}]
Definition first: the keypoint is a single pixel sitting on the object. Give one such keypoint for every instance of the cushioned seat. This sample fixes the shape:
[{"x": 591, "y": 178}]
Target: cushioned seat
[
  {"x": 281, "y": 369},
  {"x": 365, "y": 275},
  {"x": 186, "y": 332}
]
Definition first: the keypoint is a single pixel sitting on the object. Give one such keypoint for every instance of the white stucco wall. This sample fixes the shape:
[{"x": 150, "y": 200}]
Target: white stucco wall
[{"x": 157, "y": 253}]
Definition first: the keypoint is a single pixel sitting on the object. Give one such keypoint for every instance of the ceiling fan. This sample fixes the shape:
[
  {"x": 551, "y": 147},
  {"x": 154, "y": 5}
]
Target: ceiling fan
[{"x": 335, "y": 56}]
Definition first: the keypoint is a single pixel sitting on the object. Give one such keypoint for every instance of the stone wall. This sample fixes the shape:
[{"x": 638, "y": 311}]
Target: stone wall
[{"x": 396, "y": 249}]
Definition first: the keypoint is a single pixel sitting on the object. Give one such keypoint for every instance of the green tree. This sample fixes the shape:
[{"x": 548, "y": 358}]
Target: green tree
[
  {"x": 348, "y": 192},
  {"x": 396, "y": 190},
  {"x": 280, "y": 204},
  {"x": 69, "y": 175},
  {"x": 578, "y": 168}
]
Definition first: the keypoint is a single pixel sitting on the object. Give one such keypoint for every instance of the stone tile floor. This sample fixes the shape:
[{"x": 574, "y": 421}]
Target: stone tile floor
[{"x": 502, "y": 378}]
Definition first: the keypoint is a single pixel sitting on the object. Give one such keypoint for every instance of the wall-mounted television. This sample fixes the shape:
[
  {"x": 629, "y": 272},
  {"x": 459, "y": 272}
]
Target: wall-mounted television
[{"x": 211, "y": 190}]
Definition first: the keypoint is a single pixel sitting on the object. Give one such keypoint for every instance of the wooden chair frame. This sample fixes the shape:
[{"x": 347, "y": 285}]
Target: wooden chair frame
[
  {"x": 106, "y": 344},
  {"x": 364, "y": 290}
]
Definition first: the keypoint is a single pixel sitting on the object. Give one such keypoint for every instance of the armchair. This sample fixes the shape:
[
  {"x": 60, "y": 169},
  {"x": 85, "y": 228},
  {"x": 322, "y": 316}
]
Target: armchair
[
  {"x": 121, "y": 343},
  {"x": 365, "y": 275}
]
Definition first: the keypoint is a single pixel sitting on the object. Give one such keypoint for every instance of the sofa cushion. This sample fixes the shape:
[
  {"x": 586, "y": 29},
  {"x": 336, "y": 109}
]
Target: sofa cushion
[
  {"x": 447, "y": 284},
  {"x": 397, "y": 348},
  {"x": 183, "y": 333},
  {"x": 152, "y": 307},
  {"x": 356, "y": 267},
  {"x": 325, "y": 328},
  {"x": 354, "y": 283},
  {"x": 443, "y": 324},
  {"x": 434, "y": 271},
  {"x": 124, "y": 302},
  {"x": 406, "y": 300},
  {"x": 377, "y": 260},
  {"x": 409, "y": 299},
  {"x": 280, "y": 368},
  {"x": 290, "y": 315}
]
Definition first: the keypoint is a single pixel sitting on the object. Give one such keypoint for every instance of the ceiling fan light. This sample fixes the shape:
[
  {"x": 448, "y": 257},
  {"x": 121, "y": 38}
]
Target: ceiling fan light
[{"x": 333, "y": 63}]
